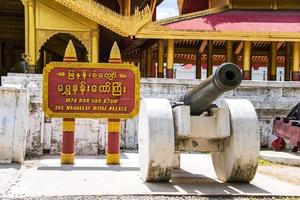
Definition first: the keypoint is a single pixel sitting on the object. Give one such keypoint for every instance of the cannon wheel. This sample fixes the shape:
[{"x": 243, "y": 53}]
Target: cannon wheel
[
  {"x": 239, "y": 159},
  {"x": 156, "y": 140}
]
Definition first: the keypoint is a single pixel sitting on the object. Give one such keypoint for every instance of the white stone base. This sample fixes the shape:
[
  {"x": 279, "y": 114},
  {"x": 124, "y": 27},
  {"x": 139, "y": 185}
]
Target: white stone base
[{"x": 13, "y": 124}]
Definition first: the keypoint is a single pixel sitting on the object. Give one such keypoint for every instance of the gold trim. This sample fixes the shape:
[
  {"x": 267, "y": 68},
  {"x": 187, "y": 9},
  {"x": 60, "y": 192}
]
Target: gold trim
[
  {"x": 67, "y": 158},
  {"x": 70, "y": 53},
  {"x": 161, "y": 32},
  {"x": 114, "y": 127},
  {"x": 53, "y": 65},
  {"x": 113, "y": 159},
  {"x": 69, "y": 126},
  {"x": 115, "y": 53},
  {"x": 157, "y": 30},
  {"x": 296, "y": 55}
]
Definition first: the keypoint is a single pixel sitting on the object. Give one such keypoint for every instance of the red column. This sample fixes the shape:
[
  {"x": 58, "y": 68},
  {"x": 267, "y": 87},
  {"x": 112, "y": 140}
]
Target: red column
[
  {"x": 113, "y": 141},
  {"x": 114, "y": 125},
  {"x": 67, "y": 149}
]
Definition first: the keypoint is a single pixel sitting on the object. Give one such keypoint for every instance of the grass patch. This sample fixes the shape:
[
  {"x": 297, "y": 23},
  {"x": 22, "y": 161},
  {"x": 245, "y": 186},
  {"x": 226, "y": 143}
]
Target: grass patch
[{"x": 263, "y": 162}]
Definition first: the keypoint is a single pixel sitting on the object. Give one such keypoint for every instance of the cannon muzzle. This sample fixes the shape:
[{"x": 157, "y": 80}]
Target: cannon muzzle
[{"x": 227, "y": 77}]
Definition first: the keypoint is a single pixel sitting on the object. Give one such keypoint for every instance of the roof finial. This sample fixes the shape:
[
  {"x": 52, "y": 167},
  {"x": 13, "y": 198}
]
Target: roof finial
[
  {"x": 115, "y": 55},
  {"x": 70, "y": 53}
]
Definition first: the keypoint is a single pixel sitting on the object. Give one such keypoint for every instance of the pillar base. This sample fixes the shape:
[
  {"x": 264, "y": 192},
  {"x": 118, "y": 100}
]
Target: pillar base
[
  {"x": 31, "y": 69},
  {"x": 113, "y": 159},
  {"x": 209, "y": 72},
  {"x": 198, "y": 75},
  {"x": 246, "y": 75},
  {"x": 287, "y": 78},
  {"x": 67, "y": 158},
  {"x": 169, "y": 73},
  {"x": 272, "y": 78},
  {"x": 295, "y": 76},
  {"x": 160, "y": 75}
]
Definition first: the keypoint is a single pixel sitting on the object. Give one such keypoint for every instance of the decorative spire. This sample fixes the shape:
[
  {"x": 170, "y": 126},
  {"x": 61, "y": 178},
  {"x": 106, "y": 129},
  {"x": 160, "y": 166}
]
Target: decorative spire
[
  {"x": 115, "y": 55},
  {"x": 70, "y": 53}
]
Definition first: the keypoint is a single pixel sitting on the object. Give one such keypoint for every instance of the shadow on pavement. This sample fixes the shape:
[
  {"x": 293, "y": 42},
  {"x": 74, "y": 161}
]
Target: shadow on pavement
[
  {"x": 10, "y": 166},
  {"x": 87, "y": 168},
  {"x": 79, "y": 157},
  {"x": 185, "y": 182}
]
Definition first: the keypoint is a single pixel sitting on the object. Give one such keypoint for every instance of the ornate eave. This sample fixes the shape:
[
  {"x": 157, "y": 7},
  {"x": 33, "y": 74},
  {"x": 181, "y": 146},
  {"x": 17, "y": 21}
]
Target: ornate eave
[
  {"x": 161, "y": 30},
  {"x": 122, "y": 25},
  {"x": 186, "y": 50}
]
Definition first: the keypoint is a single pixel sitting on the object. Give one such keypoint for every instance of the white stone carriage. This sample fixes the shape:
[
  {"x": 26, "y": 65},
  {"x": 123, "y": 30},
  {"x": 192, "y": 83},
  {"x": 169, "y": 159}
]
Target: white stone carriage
[{"x": 194, "y": 124}]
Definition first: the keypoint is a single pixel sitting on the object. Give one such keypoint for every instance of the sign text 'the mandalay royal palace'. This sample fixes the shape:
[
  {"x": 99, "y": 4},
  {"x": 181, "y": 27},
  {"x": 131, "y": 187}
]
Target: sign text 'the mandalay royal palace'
[{"x": 85, "y": 90}]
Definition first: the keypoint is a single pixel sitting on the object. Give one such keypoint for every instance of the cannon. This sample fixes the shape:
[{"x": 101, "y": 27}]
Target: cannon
[{"x": 195, "y": 124}]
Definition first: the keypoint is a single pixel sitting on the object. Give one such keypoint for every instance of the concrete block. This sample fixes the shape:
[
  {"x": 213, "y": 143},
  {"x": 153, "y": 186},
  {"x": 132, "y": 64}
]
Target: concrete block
[
  {"x": 13, "y": 124},
  {"x": 182, "y": 121},
  {"x": 211, "y": 127}
]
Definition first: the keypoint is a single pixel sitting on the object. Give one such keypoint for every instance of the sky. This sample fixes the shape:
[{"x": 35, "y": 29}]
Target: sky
[{"x": 168, "y": 8}]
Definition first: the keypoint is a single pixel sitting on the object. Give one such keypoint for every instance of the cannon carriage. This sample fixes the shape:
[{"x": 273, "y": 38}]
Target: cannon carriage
[{"x": 194, "y": 124}]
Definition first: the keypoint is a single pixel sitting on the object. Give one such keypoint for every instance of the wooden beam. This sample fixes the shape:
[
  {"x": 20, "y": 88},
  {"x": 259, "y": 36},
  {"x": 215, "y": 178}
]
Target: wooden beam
[
  {"x": 279, "y": 44},
  {"x": 203, "y": 46},
  {"x": 143, "y": 62},
  {"x": 160, "y": 60},
  {"x": 148, "y": 62},
  {"x": 273, "y": 61},
  {"x": 185, "y": 50},
  {"x": 247, "y": 60},
  {"x": 192, "y": 51},
  {"x": 170, "y": 58},
  {"x": 229, "y": 55},
  {"x": 153, "y": 5},
  {"x": 210, "y": 59},
  {"x": 239, "y": 48},
  {"x": 288, "y": 61},
  {"x": 296, "y": 61},
  {"x": 148, "y": 44},
  {"x": 198, "y": 65}
]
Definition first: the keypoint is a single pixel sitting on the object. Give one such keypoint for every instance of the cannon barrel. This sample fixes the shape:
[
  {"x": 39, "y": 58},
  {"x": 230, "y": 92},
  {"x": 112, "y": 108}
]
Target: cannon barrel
[{"x": 227, "y": 77}]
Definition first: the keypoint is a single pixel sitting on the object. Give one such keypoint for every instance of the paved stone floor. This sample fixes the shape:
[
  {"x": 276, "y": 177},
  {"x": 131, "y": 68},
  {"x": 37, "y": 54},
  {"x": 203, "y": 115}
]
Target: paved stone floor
[
  {"x": 287, "y": 157},
  {"x": 90, "y": 176}
]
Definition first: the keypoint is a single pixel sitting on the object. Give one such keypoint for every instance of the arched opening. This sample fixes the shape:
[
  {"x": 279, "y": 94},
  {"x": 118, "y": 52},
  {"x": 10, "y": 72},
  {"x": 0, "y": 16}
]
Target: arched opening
[
  {"x": 12, "y": 43},
  {"x": 54, "y": 49}
]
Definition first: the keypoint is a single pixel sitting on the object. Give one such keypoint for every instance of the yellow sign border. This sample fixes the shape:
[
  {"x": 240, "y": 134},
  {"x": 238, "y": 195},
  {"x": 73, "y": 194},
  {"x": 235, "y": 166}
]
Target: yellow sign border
[{"x": 53, "y": 65}]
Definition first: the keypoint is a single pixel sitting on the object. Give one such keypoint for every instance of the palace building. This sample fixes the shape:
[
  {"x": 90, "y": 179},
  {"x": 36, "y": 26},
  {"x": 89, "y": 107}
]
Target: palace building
[
  {"x": 252, "y": 34},
  {"x": 42, "y": 28}
]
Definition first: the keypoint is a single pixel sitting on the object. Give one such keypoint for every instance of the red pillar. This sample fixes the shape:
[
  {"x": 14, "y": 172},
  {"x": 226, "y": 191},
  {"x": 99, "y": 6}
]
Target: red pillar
[
  {"x": 113, "y": 141},
  {"x": 114, "y": 125},
  {"x": 67, "y": 149}
]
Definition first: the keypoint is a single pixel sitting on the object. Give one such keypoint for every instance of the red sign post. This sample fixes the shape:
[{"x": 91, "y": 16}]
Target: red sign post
[{"x": 86, "y": 90}]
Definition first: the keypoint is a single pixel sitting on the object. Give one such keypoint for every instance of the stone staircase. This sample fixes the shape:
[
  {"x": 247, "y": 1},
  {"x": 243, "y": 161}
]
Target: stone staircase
[{"x": 123, "y": 25}]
